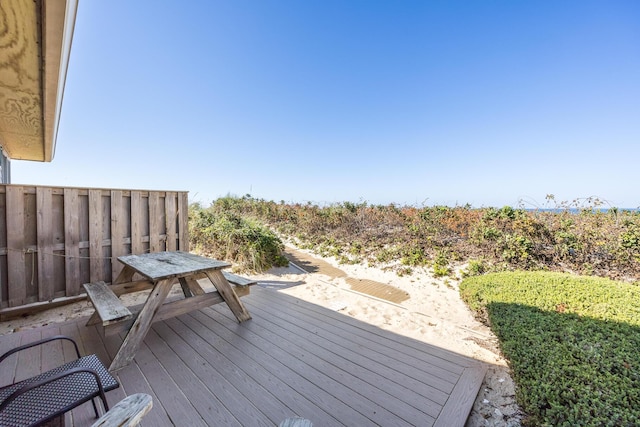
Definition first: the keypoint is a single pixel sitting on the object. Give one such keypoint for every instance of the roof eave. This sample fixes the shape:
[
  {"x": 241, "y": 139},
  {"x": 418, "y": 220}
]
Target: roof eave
[{"x": 34, "y": 56}]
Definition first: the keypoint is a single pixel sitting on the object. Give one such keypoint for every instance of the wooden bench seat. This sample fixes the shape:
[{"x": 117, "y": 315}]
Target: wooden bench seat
[
  {"x": 108, "y": 306},
  {"x": 238, "y": 280}
]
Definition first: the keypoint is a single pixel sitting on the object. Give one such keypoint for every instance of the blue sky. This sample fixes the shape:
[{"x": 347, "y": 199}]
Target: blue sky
[{"x": 411, "y": 102}]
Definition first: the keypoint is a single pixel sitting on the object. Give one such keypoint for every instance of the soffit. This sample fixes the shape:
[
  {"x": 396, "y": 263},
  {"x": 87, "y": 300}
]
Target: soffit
[{"x": 35, "y": 40}]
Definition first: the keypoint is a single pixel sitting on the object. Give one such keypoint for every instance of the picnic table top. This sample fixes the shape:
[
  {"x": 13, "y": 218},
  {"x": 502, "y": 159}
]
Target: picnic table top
[{"x": 165, "y": 265}]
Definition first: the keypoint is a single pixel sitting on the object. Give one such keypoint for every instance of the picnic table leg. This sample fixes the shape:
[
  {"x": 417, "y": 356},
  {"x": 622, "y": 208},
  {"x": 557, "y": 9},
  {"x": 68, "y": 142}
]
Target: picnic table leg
[
  {"x": 126, "y": 275},
  {"x": 190, "y": 287},
  {"x": 228, "y": 295},
  {"x": 140, "y": 327}
]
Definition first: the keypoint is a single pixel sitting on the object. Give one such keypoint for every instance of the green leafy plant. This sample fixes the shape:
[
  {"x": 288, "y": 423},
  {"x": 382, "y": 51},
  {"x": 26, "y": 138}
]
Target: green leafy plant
[
  {"x": 227, "y": 236},
  {"x": 441, "y": 266},
  {"x": 571, "y": 342}
]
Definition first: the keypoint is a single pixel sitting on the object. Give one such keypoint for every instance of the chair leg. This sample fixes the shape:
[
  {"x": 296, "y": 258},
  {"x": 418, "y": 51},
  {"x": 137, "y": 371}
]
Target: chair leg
[{"x": 95, "y": 408}]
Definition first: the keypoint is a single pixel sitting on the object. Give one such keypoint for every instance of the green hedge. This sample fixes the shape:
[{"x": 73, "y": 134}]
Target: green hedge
[{"x": 573, "y": 344}]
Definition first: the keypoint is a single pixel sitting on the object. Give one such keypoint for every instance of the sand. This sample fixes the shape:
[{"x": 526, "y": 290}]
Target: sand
[{"x": 433, "y": 313}]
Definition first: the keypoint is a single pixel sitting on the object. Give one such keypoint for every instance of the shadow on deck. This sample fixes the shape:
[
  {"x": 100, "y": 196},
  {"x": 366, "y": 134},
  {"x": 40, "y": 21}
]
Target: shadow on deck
[{"x": 292, "y": 359}]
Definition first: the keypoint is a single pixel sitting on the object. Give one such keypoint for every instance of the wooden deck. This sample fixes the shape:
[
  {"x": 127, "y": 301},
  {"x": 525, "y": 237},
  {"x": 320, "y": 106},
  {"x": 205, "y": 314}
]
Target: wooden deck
[{"x": 292, "y": 359}]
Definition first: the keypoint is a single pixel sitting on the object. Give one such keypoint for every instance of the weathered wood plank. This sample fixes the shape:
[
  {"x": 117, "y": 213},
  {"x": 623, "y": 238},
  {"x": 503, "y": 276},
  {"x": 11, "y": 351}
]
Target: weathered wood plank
[
  {"x": 126, "y": 413},
  {"x": 238, "y": 280},
  {"x": 44, "y": 221},
  {"x": 230, "y": 297},
  {"x": 107, "y": 304},
  {"x": 136, "y": 225},
  {"x": 129, "y": 287},
  {"x": 154, "y": 222},
  {"x": 166, "y": 265},
  {"x": 192, "y": 285},
  {"x": 125, "y": 276},
  {"x": 171, "y": 220},
  {"x": 118, "y": 231},
  {"x": 3, "y": 248},
  {"x": 16, "y": 274},
  {"x": 71, "y": 241},
  {"x": 57, "y": 246},
  {"x": 96, "y": 251},
  {"x": 183, "y": 222}
]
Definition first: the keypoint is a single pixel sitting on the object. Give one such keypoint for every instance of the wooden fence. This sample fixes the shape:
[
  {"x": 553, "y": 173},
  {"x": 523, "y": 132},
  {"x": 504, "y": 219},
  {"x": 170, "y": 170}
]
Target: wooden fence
[{"x": 54, "y": 239}]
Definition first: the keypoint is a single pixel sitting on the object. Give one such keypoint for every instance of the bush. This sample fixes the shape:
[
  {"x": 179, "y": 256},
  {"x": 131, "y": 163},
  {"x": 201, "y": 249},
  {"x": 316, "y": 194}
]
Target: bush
[
  {"x": 572, "y": 343},
  {"x": 572, "y": 238},
  {"x": 225, "y": 235}
]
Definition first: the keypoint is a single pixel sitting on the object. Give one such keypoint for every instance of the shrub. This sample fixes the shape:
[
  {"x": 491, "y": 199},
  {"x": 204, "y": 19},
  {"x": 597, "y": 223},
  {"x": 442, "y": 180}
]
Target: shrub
[
  {"x": 230, "y": 237},
  {"x": 571, "y": 342},
  {"x": 441, "y": 264},
  {"x": 475, "y": 267},
  {"x": 575, "y": 237}
]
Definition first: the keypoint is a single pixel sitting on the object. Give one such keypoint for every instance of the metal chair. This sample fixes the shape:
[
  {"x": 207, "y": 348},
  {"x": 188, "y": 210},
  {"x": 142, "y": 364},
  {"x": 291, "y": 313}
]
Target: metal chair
[{"x": 39, "y": 399}]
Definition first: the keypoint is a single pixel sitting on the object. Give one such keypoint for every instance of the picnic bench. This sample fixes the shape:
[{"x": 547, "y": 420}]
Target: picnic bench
[{"x": 159, "y": 272}]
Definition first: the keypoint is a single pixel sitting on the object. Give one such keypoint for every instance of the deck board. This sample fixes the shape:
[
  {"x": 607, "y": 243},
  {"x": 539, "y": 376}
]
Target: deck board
[
  {"x": 370, "y": 352},
  {"x": 310, "y": 382},
  {"x": 292, "y": 359},
  {"x": 277, "y": 391},
  {"x": 178, "y": 363},
  {"x": 381, "y": 405}
]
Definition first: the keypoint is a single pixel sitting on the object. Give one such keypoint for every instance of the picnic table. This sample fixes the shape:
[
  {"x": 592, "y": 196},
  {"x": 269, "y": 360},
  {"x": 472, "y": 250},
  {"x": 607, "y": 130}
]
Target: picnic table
[{"x": 159, "y": 272}]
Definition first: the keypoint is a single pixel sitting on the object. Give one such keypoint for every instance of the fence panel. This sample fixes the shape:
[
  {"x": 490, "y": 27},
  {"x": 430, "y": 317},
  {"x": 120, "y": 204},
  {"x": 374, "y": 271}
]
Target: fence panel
[{"x": 54, "y": 239}]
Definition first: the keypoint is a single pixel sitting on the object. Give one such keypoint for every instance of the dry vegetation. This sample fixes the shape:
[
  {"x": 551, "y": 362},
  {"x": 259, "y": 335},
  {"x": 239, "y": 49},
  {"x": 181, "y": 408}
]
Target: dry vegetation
[{"x": 580, "y": 239}]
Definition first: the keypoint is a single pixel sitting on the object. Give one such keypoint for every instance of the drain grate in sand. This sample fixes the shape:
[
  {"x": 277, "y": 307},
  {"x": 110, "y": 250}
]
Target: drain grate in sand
[
  {"x": 311, "y": 264},
  {"x": 378, "y": 290}
]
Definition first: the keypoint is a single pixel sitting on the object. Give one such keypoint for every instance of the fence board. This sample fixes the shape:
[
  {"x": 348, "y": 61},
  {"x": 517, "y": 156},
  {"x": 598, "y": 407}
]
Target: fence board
[
  {"x": 44, "y": 206},
  {"x": 72, "y": 241},
  {"x": 183, "y": 225},
  {"x": 170, "y": 209},
  {"x": 118, "y": 231},
  {"x": 53, "y": 239},
  {"x": 136, "y": 217},
  {"x": 16, "y": 274},
  {"x": 154, "y": 222},
  {"x": 95, "y": 235}
]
